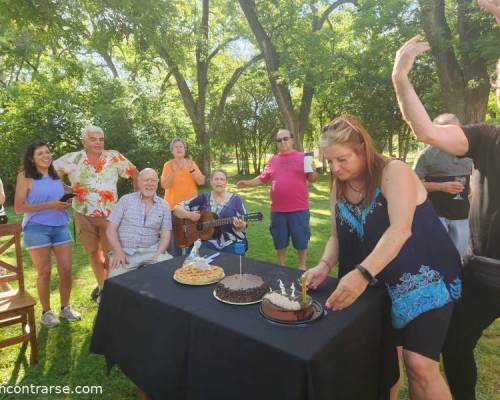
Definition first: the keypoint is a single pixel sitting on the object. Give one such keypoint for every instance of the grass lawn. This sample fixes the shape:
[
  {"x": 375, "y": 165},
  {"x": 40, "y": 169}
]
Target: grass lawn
[{"x": 64, "y": 355}]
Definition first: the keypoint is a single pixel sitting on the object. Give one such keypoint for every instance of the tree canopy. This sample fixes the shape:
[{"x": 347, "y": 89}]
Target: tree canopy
[{"x": 226, "y": 75}]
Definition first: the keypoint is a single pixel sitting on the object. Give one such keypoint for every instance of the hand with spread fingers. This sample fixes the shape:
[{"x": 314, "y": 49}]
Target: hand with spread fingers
[
  {"x": 406, "y": 55},
  {"x": 350, "y": 287}
]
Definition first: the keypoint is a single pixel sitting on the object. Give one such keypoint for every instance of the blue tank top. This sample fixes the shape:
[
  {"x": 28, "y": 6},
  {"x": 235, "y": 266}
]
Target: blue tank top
[
  {"x": 424, "y": 275},
  {"x": 43, "y": 190}
]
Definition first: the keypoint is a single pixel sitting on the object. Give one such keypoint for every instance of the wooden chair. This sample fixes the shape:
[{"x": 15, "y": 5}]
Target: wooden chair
[{"x": 16, "y": 305}]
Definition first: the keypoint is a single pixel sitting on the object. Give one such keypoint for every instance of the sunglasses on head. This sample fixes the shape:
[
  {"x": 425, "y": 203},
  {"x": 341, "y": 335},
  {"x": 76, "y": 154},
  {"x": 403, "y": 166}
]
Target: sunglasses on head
[
  {"x": 339, "y": 124},
  {"x": 283, "y": 139}
]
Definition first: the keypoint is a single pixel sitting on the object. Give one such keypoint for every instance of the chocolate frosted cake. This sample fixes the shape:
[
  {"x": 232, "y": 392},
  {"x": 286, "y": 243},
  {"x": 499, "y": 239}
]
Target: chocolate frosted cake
[
  {"x": 285, "y": 308},
  {"x": 245, "y": 288}
]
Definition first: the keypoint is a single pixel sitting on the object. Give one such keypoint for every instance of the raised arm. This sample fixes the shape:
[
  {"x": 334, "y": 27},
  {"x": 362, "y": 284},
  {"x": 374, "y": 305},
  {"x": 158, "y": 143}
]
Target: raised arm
[
  {"x": 195, "y": 172},
  {"x": 168, "y": 173},
  {"x": 450, "y": 138}
]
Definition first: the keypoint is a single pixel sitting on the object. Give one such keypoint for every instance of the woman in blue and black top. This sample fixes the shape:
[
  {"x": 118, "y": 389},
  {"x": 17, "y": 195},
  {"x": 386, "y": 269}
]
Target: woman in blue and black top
[
  {"x": 225, "y": 205},
  {"x": 387, "y": 231}
]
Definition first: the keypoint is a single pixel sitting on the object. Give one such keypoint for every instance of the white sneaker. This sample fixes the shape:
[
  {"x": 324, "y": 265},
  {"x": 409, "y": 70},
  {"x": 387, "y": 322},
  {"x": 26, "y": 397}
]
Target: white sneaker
[
  {"x": 49, "y": 319},
  {"x": 69, "y": 314}
]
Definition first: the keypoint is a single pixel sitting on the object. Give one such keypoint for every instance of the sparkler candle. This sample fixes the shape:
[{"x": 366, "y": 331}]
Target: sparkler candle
[{"x": 303, "y": 289}]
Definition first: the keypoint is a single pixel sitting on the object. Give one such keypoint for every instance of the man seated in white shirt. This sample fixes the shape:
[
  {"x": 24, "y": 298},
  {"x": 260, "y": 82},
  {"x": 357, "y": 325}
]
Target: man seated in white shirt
[{"x": 139, "y": 227}]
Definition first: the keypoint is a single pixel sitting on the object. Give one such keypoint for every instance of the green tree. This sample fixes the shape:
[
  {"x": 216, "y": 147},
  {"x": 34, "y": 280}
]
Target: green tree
[
  {"x": 296, "y": 50},
  {"x": 464, "y": 46},
  {"x": 250, "y": 120}
]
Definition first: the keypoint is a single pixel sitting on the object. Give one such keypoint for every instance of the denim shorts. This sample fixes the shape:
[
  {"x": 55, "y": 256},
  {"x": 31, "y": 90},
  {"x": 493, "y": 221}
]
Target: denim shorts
[
  {"x": 293, "y": 224},
  {"x": 38, "y": 235}
]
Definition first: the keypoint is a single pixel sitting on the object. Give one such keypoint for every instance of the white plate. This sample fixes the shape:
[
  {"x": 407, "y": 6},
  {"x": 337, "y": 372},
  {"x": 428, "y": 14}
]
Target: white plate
[{"x": 236, "y": 304}]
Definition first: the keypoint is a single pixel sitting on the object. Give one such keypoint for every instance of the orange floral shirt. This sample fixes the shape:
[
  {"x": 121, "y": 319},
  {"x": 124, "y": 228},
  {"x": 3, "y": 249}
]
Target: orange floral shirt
[{"x": 95, "y": 187}]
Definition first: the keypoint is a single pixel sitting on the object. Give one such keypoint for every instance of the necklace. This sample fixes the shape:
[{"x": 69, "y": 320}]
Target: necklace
[{"x": 358, "y": 191}]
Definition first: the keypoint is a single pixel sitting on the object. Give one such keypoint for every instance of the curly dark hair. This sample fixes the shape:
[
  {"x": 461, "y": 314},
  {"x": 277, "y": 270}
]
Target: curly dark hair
[{"x": 28, "y": 165}]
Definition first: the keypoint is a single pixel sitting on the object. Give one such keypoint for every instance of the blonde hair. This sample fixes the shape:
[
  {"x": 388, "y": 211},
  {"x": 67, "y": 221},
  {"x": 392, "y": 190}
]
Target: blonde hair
[{"x": 348, "y": 131}]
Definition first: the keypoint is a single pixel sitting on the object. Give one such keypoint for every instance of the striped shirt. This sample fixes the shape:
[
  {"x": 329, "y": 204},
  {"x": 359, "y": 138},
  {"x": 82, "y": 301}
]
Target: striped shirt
[{"x": 136, "y": 229}]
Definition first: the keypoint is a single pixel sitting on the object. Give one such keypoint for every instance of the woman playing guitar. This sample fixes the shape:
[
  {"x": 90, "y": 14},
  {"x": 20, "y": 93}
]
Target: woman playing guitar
[{"x": 224, "y": 205}]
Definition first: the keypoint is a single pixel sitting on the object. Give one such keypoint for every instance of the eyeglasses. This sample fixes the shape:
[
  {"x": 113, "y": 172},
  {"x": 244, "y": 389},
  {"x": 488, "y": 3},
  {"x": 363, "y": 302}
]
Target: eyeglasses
[
  {"x": 283, "y": 139},
  {"x": 339, "y": 124}
]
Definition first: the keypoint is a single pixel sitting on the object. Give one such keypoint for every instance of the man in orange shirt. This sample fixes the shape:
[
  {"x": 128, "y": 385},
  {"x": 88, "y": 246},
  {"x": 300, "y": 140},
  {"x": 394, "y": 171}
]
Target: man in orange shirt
[{"x": 180, "y": 178}]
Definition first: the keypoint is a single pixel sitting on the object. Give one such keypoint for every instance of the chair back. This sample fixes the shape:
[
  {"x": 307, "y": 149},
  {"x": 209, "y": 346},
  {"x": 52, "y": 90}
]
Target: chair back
[{"x": 12, "y": 233}]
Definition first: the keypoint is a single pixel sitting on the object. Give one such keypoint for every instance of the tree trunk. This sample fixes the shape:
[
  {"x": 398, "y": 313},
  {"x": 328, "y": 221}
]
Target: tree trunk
[
  {"x": 196, "y": 105},
  {"x": 295, "y": 122},
  {"x": 465, "y": 87},
  {"x": 238, "y": 166}
]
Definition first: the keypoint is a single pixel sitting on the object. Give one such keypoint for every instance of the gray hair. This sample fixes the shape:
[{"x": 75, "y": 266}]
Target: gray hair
[
  {"x": 222, "y": 171},
  {"x": 174, "y": 141},
  {"x": 91, "y": 129},
  {"x": 446, "y": 119}
]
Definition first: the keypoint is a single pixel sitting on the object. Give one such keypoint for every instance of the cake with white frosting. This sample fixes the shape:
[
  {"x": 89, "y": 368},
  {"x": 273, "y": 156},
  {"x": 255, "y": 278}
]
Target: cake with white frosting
[{"x": 284, "y": 307}]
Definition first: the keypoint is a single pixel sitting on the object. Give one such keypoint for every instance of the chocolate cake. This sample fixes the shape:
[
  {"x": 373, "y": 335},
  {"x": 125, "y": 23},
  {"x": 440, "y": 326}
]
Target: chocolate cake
[
  {"x": 285, "y": 308},
  {"x": 245, "y": 288}
]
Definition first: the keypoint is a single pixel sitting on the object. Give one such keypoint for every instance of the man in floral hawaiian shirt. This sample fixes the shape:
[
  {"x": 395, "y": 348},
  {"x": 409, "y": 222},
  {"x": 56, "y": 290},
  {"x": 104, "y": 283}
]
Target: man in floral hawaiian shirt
[{"x": 93, "y": 173}]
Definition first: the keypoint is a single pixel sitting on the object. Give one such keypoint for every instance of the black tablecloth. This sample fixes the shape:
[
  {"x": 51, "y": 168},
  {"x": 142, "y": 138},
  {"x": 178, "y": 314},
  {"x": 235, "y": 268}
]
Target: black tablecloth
[{"x": 179, "y": 342}]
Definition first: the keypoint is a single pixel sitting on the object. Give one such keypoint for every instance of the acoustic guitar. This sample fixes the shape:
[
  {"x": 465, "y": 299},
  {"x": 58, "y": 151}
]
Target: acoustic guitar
[{"x": 187, "y": 231}]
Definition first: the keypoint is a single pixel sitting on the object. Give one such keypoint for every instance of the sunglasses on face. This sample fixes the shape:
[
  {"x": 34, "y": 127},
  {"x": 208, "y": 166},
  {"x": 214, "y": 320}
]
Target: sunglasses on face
[{"x": 283, "y": 139}]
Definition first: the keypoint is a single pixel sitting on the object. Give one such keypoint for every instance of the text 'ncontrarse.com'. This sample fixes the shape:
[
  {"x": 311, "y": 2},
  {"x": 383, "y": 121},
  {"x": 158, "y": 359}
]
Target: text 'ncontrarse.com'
[{"x": 49, "y": 389}]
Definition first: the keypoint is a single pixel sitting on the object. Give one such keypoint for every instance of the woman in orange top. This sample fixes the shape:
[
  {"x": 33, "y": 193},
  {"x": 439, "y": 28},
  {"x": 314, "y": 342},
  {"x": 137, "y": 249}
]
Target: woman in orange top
[
  {"x": 180, "y": 175},
  {"x": 180, "y": 178}
]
